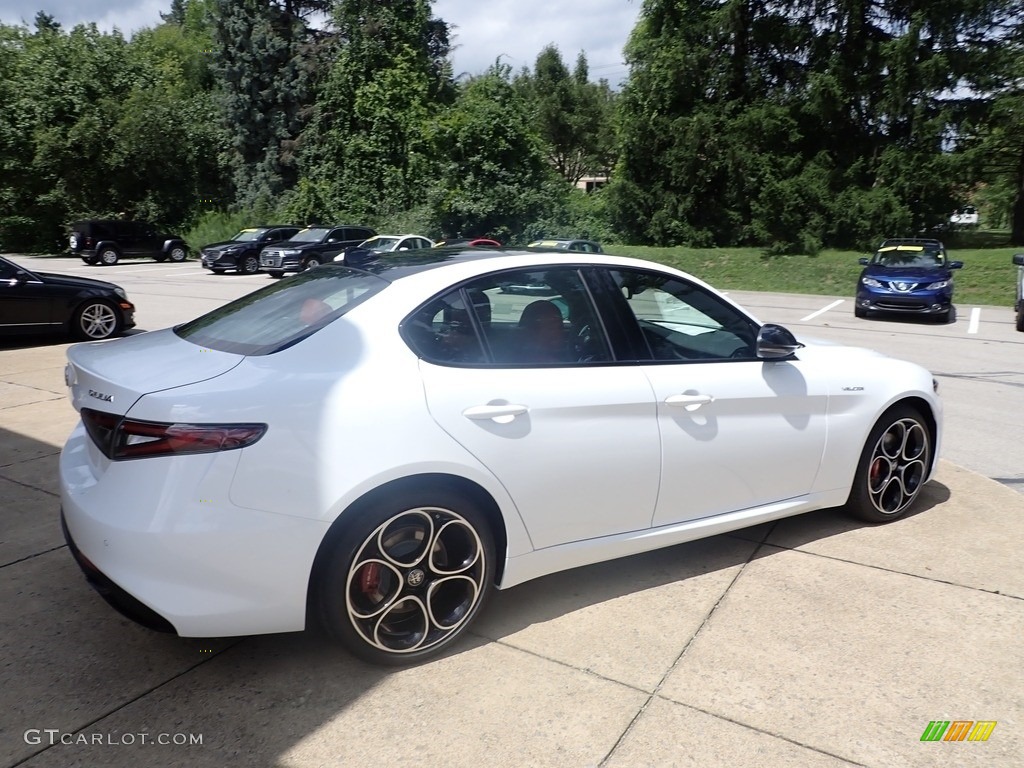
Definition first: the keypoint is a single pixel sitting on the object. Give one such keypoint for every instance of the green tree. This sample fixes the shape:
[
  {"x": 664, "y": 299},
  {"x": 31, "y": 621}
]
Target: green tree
[
  {"x": 260, "y": 52},
  {"x": 493, "y": 178},
  {"x": 572, "y": 115},
  {"x": 857, "y": 100},
  {"x": 366, "y": 153}
]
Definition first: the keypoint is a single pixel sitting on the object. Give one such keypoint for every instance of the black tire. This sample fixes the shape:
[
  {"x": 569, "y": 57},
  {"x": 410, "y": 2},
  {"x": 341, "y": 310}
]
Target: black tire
[
  {"x": 406, "y": 577},
  {"x": 311, "y": 262},
  {"x": 90, "y": 260},
  {"x": 892, "y": 467},
  {"x": 108, "y": 256},
  {"x": 177, "y": 253},
  {"x": 277, "y": 275},
  {"x": 858, "y": 312},
  {"x": 248, "y": 265},
  {"x": 96, "y": 319},
  {"x": 160, "y": 258},
  {"x": 217, "y": 271},
  {"x": 1020, "y": 317}
]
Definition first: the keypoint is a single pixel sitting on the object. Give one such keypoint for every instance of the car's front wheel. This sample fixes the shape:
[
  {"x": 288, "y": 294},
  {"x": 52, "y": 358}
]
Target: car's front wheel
[
  {"x": 407, "y": 577},
  {"x": 108, "y": 256},
  {"x": 95, "y": 320},
  {"x": 311, "y": 262},
  {"x": 893, "y": 466},
  {"x": 276, "y": 274},
  {"x": 1020, "y": 317},
  {"x": 177, "y": 253},
  {"x": 248, "y": 265}
]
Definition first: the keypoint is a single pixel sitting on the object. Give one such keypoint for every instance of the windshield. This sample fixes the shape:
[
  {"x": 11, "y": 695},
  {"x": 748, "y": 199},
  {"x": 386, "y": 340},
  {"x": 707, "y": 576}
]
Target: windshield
[
  {"x": 248, "y": 235},
  {"x": 311, "y": 235},
  {"x": 380, "y": 244},
  {"x": 909, "y": 256},
  {"x": 282, "y": 314}
]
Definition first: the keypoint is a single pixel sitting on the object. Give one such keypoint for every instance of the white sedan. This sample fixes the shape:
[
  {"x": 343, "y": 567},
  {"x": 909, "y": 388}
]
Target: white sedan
[
  {"x": 375, "y": 446},
  {"x": 389, "y": 244}
]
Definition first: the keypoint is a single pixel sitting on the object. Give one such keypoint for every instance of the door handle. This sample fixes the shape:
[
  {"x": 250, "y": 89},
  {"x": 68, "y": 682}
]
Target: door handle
[
  {"x": 689, "y": 402},
  {"x": 499, "y": 414}
]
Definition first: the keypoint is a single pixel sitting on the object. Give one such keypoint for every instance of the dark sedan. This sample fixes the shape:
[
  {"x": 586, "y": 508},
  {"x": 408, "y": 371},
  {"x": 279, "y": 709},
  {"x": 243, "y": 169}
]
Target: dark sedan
[{"x": 39, "y": 302}]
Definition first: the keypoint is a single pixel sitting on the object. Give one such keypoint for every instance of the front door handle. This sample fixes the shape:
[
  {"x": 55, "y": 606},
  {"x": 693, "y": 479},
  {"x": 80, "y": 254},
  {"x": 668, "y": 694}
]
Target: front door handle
[
  {"x": 499, "y": 414},
  {"x": 689, "y": 402}
]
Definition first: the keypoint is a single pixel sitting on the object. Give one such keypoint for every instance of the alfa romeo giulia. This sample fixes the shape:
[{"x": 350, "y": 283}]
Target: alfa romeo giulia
[{"x": 376, "y": 446}]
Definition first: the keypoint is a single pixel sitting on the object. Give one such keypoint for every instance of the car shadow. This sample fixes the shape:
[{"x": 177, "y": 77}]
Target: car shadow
[{"x": 551, "y": 597}]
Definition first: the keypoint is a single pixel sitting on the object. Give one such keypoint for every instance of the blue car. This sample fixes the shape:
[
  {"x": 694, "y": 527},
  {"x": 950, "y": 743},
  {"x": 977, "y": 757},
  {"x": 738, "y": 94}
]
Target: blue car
[{"x": 907, "y": 276}]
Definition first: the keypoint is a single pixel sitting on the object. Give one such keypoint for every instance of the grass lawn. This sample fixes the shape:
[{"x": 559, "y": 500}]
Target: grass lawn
[{"x": 987, "y": 277}]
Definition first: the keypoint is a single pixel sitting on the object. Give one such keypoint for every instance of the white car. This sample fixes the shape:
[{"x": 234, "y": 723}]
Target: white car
[
  {"x": 390, "y": 244},
  {"x": 376, "y": 446}
]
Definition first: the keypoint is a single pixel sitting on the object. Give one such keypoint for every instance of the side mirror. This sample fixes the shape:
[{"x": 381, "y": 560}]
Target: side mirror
[
  {"x": 776, "y": 343},
  {"x": 20, "y": 277},
  {"x": 1018, "y": 259},
  {"x": 863, "y": 261},
  {"x": 956, "y": 265}
]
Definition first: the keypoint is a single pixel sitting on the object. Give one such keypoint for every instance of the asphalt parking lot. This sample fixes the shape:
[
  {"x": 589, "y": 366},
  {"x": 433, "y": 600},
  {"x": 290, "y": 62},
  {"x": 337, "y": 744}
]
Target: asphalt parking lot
[{"x": 814, "y": 641}]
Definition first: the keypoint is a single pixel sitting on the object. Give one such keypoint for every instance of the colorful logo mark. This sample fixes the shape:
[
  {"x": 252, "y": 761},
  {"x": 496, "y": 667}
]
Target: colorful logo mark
[{"x": 958, "y": 730}]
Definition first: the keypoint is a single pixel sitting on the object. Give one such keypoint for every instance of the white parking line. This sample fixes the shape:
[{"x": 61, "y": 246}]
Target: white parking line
[
  {"x": 822, "y": 311},
  {"x": 972, "y": 327}
]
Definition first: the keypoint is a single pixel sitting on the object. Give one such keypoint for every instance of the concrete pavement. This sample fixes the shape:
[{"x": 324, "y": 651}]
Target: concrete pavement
[{"x": 814, "y": 641}]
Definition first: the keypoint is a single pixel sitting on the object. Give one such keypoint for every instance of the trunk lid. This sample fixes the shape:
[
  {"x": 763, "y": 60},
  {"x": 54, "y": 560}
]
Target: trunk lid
[{"x": 111, "y": 376}]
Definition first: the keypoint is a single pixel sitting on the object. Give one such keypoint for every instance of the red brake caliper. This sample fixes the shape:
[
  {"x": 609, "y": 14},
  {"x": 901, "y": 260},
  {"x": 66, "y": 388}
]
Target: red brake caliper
[{"x": 369, "y": 579}]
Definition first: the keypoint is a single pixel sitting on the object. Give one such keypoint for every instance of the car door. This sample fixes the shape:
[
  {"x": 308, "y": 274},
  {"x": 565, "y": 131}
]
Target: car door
[
  {"x": 26, "y": 303},
  {"x": 737, "y": 432},
  {"x": 573, "y": 440}
]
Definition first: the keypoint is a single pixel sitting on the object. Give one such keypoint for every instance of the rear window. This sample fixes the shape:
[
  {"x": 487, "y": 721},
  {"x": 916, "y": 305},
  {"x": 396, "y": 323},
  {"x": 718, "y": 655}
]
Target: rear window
[{"x": 284, "y": 313}]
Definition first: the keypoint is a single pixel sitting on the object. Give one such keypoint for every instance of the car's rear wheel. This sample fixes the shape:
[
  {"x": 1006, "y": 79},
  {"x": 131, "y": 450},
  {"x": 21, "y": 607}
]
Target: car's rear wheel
[
  {"x": 178, "y": 253},
  {"x": 94, "y": 320},
  {"x": 248, "y": 265},
  {"x": 108, "y": 256},
  {"x": 407, "y": 577},
  {"x": 893, "y": 466}
]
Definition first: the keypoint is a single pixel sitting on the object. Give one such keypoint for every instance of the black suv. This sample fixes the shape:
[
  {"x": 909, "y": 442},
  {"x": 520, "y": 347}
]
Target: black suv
[
  {"x": 242, "y": 252},
  {"x": 107, "y": 241},
  {"x": 311, "y": 247}
]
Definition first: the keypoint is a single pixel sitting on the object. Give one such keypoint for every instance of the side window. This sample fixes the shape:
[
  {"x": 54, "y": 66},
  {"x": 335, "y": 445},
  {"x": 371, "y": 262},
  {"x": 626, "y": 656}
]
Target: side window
[
  {"x": 358, "y": 234},
  {"x": 680, "y": 321},
  {"x": 335, "y": 236},
  {"x": 520, "y": 318}
]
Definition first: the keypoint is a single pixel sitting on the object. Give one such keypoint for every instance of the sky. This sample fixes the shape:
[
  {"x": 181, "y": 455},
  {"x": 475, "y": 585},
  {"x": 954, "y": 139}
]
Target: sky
[{"x": 484, "y": 30}]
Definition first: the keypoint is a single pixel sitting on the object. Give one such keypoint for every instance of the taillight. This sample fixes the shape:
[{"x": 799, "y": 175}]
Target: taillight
[{"x": 122, "y": 438}]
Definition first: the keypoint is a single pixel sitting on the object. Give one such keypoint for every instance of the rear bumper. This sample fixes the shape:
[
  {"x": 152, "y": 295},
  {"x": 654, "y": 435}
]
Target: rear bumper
[{"x": 167, "y": 547}]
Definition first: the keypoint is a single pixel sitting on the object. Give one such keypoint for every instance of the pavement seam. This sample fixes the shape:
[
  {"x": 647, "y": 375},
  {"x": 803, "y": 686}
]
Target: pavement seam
[
  {"x": 26, "y": 485},
  {"x": 674, "y": 665},
  {"x": 33, "y": 555},
  {"x": 882, "y": 568}
]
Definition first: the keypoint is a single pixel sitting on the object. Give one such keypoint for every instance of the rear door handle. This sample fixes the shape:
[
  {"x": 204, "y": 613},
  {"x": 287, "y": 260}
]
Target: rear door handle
[
  {"x": 499, "y": 414},
  {"x": 689, "y": 402}
]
